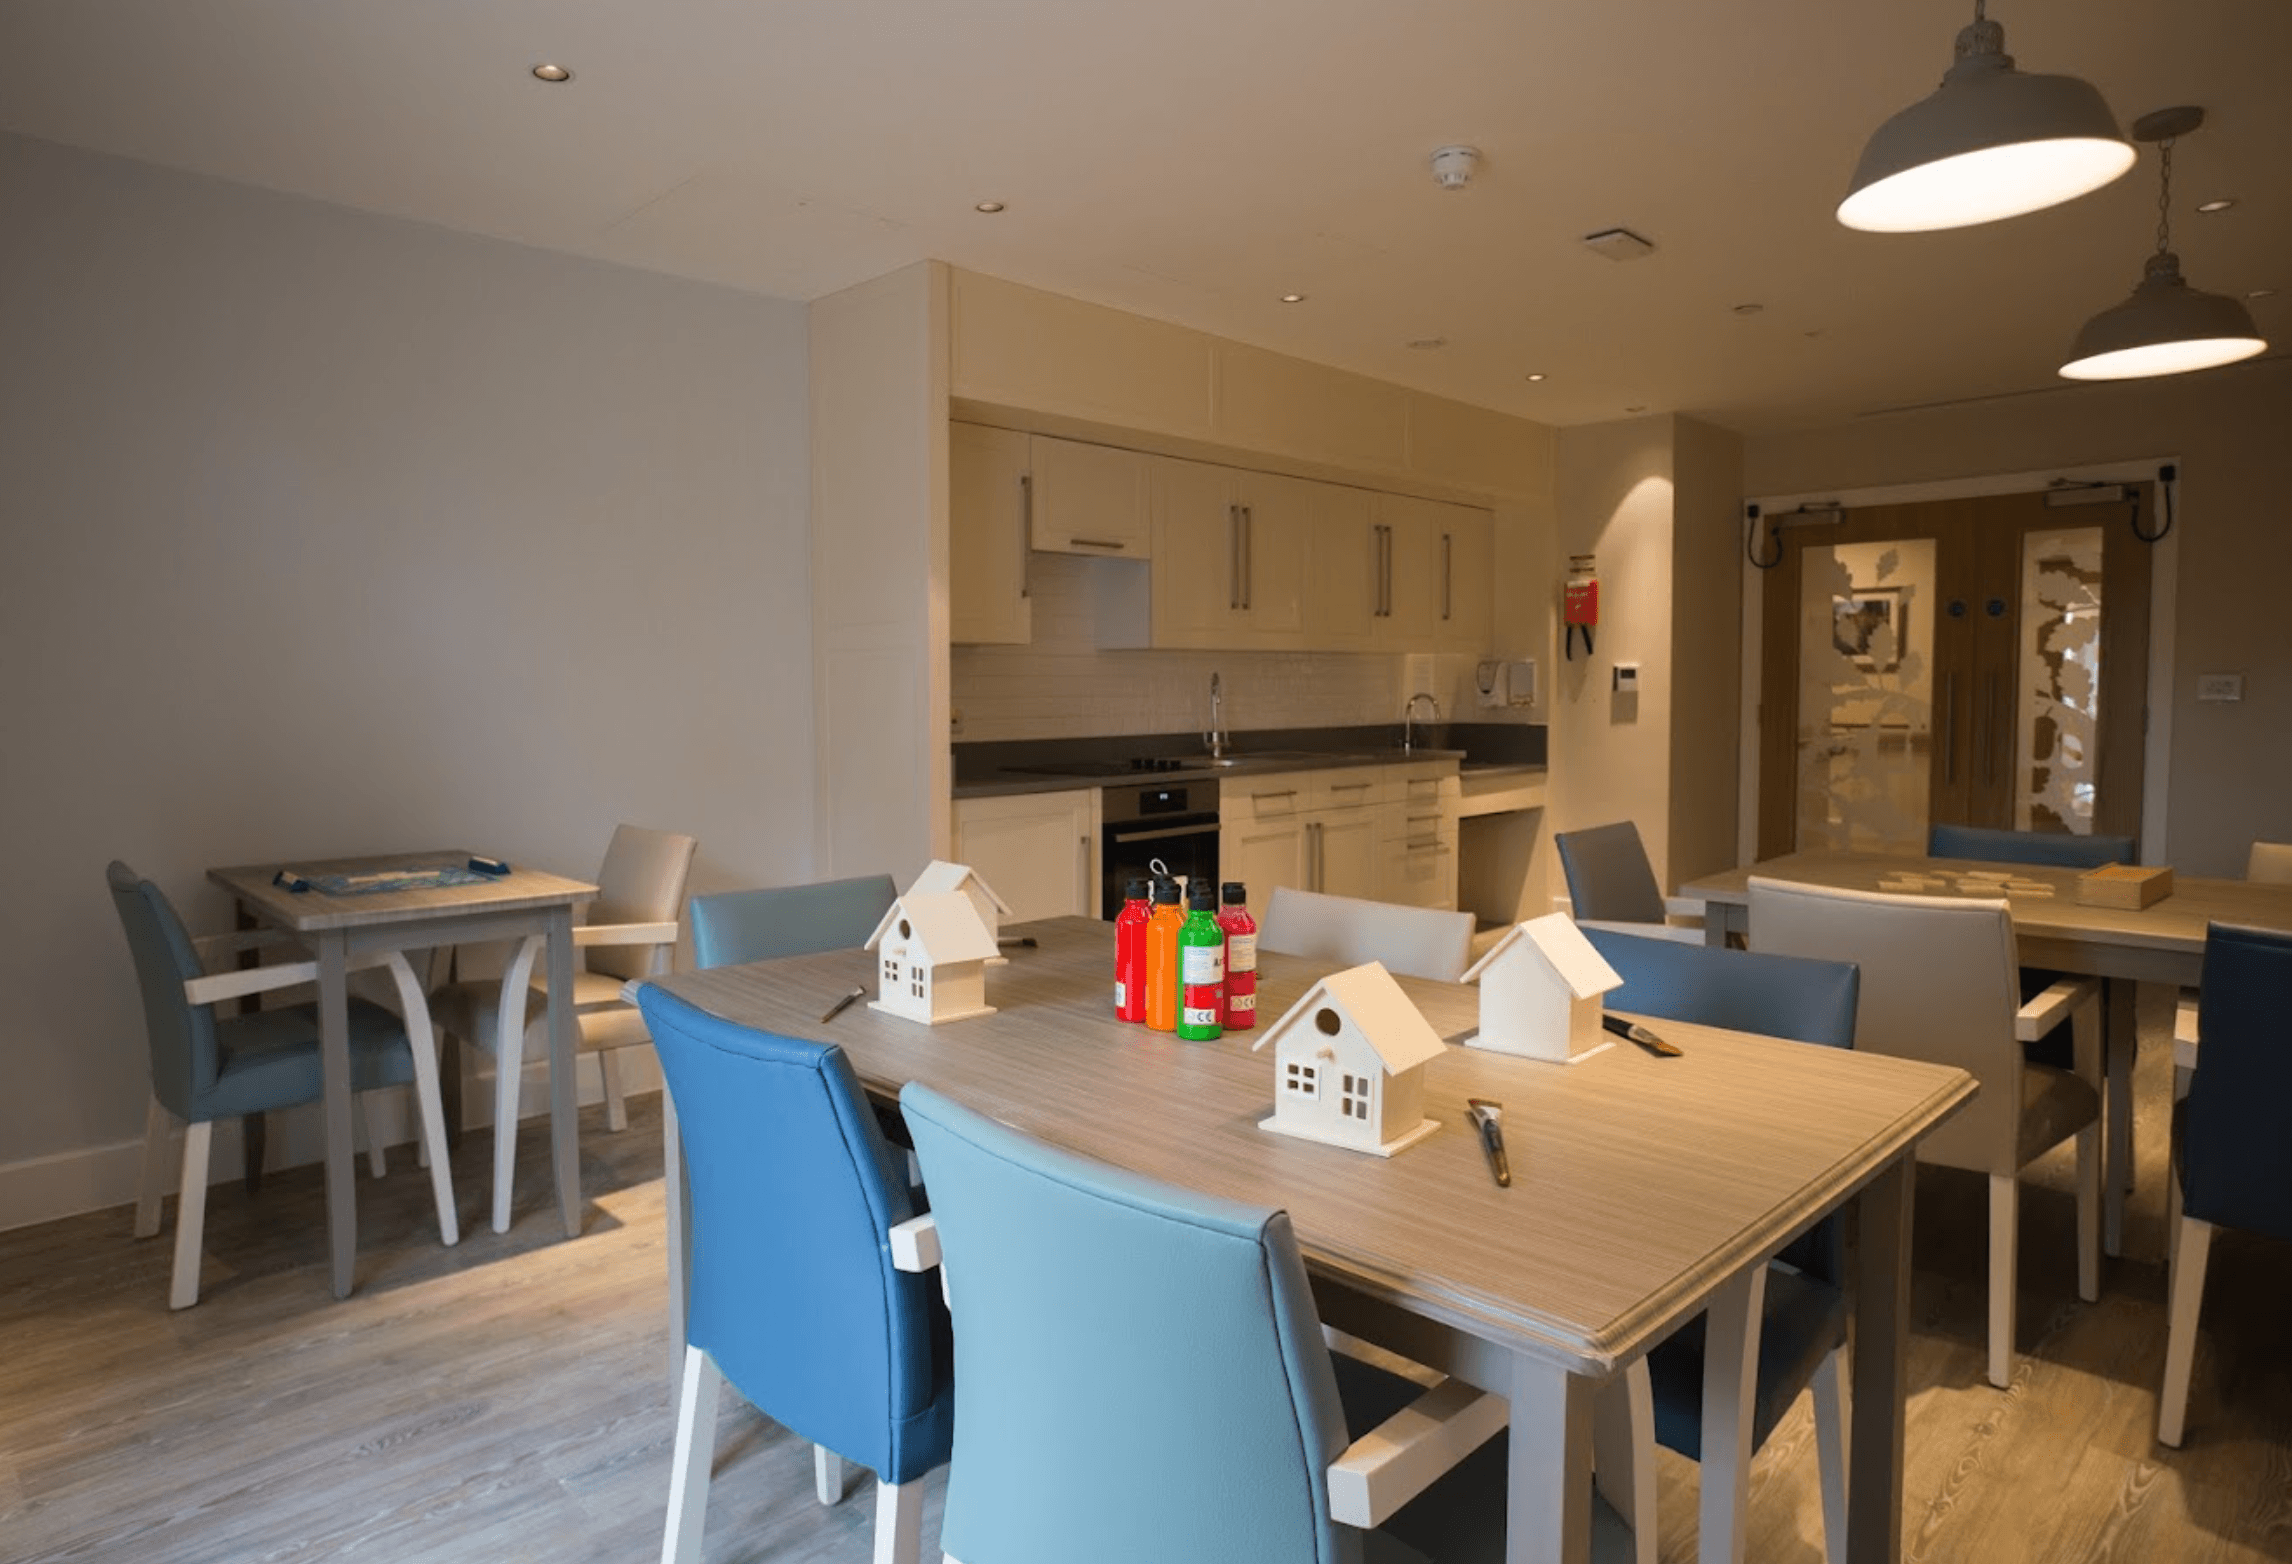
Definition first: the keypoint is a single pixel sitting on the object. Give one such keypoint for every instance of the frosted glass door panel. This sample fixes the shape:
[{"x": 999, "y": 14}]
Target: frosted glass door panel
[
  {"x": 2057, "y": 719},
  {"x": 1866, "y": 699}
]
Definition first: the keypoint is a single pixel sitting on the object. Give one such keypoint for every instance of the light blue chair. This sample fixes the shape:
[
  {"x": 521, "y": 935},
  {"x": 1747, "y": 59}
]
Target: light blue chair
[
  {"x": 1802, "y": 1333},
  {"x": 797, "y": 1296},
  {"x": 1142, "y": 1378},
  {"x": 206, "y": 1067},
  {"x": 788, "y": 920},
  {"x": 2232, "y": 1139}
]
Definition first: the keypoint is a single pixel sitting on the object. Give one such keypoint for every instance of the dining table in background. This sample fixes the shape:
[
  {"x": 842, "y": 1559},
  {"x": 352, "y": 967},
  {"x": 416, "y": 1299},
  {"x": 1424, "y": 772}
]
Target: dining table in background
[
  {"x": 2125, "y": 947},
  {"x": 1644, "y": 1190},
  {"x": 339, "y": 925}
]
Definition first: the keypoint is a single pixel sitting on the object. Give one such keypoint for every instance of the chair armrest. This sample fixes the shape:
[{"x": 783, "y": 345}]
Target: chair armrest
[
  {"x": 211, "y": 947},
  {"x": 1402, "y": 1456},
  {"x": 1677, "y": 933},
  {"x": 915, "y": 1243},
  {"x": 624, "y": 934},
  {"x": 2042, "y": 1014},
  {"x": 238, "y": 983},
  {"x": 1685, "y": 907},
  {"x": 2185, "y": 1035}
]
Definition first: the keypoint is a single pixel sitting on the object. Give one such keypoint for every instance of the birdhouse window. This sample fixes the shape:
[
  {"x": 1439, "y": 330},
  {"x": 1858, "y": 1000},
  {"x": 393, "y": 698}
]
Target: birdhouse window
[
  {"x": 891, "y": 969},
  {"x": 915, "y": 983},
  {"x": 1303, "y": 1079},
  {"x": 1354, "y": 1104}
]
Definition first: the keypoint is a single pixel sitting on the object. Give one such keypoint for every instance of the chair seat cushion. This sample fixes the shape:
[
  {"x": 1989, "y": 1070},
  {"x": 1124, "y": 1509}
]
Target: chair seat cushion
[
  {"x": 2054, "y": 1106},
  {"x": 269, "y": 1059},
  {"x": 1804, "y": 1320}
]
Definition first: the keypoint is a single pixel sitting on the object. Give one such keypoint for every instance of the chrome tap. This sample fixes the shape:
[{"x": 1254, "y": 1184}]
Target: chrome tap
[
  {"x": 1215, "y": 741},
  {"x": 1408, "y": 719}
]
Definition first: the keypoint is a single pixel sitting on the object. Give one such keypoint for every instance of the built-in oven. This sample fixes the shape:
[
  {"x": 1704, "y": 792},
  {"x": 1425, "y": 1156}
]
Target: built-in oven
[{"x": 1173, "y": 822}]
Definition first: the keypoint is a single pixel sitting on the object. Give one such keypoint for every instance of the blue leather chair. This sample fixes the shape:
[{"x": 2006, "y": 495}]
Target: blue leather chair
[
  {"x": 206, "y": 1067},
  {"x": 795, "y": 1294},
  {"x": 2058, "y": 849},
  {"x": 1802, "y": 1334},
  {"x": 2232, "y": 1139},
  {"x": 1142, "y": 1378},
  {"x": 788, "y": 920}
]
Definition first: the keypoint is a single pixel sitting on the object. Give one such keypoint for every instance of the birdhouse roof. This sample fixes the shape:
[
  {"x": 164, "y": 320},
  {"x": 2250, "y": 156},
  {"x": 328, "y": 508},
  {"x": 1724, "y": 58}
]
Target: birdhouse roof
[
  {"x": 939, "y": 875},
  {"x": 1379, "y": 1010},
  {"x": 944, "y": 923},
  {"x": 1557, "y": 941}
]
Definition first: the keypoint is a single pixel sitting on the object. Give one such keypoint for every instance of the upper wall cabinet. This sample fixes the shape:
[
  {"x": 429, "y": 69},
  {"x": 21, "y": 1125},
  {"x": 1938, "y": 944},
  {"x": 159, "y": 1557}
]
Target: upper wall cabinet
[
  {"x": 1021, "y": 347},
  {"x": 1091, "y": 499},
  {"x": 987, "y": 525},
  {"x": 1229, "y": 556}
]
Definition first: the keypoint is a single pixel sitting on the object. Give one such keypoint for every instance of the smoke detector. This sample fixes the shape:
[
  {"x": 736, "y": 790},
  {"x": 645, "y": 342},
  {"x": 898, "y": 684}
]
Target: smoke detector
[{"x": 1453, "y": 166}]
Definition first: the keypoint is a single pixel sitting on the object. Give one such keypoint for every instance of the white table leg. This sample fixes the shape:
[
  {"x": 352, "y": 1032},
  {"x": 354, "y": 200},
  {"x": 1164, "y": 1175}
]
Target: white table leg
[
  {"x": 334, "y": 1076},
  {"x": 1730, "y": 1395},
  {"x": 2119, "y": 1036},
  {"x": 1881, "y": 1352},
  {"x": 1548, "y": 1491},
  {"x": 564, "y": 1101}
]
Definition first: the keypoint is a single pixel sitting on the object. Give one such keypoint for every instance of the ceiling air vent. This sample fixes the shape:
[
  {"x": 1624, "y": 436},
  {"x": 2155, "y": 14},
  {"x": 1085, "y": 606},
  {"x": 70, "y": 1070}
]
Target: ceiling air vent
[{"x": 1618, "y": 244}]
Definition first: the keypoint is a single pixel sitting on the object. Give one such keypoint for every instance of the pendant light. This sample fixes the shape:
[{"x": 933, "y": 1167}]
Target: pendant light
[
  {"x": 1991, "y": 142},
  {"x": 2166, "y": 327}
]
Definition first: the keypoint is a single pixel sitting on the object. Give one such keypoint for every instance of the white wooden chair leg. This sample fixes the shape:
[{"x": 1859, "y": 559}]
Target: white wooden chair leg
[
  {"x": 898, "y": 1522},
  {"x": 695, "y": 1453},
  {"x": 1831, "y": 1423},
  {"x": 2190, "y": 1253},
  {"x": 2005, "y": 1225},
  {"x": 190, "y": 1215},
  {"x": 827, "y": 1475},
  {"x": 429, "y": 1105},
  {"x": 2089, "y": 1213},
  {"x": 508, "y": 1071},
  {"x": 1730, "y": 1396},
  {"x": 158, "y": 1123},
  {"x": 1623, "y": 1454},
  {"x": 370, "y": 1116},
  {"x": 616, "y": 1105}
]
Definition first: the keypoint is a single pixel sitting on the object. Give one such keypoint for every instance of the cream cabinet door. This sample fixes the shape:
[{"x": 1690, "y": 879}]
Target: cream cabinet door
[
  {"x": 1344, "y": 562},
  {"x": 987, "y": 600},
  {"x": 1262, "y": 855},
  {"x": 1467, "y": 570},
  {"x": 1343, "y": 852},
  {"x": 1197, "y": 555},
  {"x": 1276, "y": 539},
  {"x": 1038, "y": 850},
  {"x": 1091, "y": 499},
  {"x": 1418, "y": 870},
  {"x": 1410, "y": 592}
]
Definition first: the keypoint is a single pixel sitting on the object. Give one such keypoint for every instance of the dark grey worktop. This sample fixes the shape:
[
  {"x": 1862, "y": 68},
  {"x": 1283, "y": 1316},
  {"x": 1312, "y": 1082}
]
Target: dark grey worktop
[{"x": 988, "y": 770}]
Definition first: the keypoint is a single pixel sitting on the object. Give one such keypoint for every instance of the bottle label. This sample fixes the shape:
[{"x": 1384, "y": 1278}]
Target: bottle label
[
  {"x": 1202, "y": 1015},
  {"x": 1121, "y": 995},
  {"x": 1242, "y": 1004},
  {"x": 1241, "y": 952},
  {"x": 1204, "y": 965}
]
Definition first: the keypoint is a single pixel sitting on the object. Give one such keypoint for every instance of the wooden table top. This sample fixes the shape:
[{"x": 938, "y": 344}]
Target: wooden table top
[
  {"x": 2174, "y": 926},
  {"x": 314, "y": 911},
  {"x": 1639, "y": 1183}
]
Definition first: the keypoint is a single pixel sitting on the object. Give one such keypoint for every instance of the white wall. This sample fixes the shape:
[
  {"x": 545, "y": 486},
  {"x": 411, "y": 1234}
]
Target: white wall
[{"x": 332, "y": 534}]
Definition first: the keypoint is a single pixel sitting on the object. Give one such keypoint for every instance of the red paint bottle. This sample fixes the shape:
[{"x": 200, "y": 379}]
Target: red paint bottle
[
  {"x": 1130, "y": 953},
  {"x": 1241, "y": 958}
]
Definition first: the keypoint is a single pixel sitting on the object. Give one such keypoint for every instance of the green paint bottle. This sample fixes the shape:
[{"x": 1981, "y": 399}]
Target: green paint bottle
[{"x": 1201, "y": 967}]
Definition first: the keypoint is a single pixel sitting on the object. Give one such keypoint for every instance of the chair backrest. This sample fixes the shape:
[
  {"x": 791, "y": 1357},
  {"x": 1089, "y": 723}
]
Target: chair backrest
[
  {"x": 793, "y": 1192},
  {"x": 1939, "y": 982},
  {"x": 2057, "y": 848},
  {"x": 788, "y": 920},
  {"x": 2270, "y": 862},
  {"x": 184, "y": 1058},
  {"x": 1139, "y": 1370},
  {"x": 2237, "y": 1142},
  {"x": 1420, "y": 941},
  {"x": 1609, "y": 877},
  {"x": 642, "y": 881}
]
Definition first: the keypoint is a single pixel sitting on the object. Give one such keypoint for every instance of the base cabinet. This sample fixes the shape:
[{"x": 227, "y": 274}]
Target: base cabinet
[
  {"x": 1039, "y": 851},
  {"x": 1362, "y": 831}
]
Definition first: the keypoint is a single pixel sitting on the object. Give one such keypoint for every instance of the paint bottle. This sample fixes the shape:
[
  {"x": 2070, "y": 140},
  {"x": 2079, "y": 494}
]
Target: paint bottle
[
  {"x": 1162, "y": 958},
  {"x": 1241, "y": 958},
  {"x": 1201, "y": 967},
  {"x": 1130, "y": 954}
]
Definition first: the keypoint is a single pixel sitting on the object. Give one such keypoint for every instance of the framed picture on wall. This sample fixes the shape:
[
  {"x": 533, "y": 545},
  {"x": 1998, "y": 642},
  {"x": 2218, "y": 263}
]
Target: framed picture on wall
[{"x": 1868, "y": 625}]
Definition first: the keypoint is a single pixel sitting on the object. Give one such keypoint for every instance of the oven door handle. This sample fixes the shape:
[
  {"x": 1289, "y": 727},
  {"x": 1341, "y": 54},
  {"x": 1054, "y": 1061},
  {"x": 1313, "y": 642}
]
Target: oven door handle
[{"x": 1117, "y": 836}]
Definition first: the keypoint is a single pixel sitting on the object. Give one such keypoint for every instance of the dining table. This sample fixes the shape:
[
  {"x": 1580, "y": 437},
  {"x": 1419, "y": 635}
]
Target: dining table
[
  {"x": 2054, "y": 928},
  {"x": 1644, "y": 1190},
  {"x": 341, "y": 909}
]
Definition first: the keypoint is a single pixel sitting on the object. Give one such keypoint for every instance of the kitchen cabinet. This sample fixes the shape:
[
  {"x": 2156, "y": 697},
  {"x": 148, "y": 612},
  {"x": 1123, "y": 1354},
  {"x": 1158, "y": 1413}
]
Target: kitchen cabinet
[
  {"x": 1435, "y": 560},
  {"x": 1038, "y": 850},
  {"x": 1468, "y": 559},
  {"x": 987, "y": 526},
  {"x": 1230, "y": 548},
  {"x": 1308, "y": 830},
  {"x": 1344, "y": 570},
  {"x": 1090, "y": 499},
  {"x": 1417, "y": 836}
]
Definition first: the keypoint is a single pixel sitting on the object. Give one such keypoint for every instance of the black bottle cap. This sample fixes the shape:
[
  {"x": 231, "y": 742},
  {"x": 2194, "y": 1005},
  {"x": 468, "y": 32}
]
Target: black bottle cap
[
  {"x": 1134, "y": 891},
  {"x": 1235, "y": 895},
  {"x": 1200, "y": 897},
  {"x": 1165, "y": 893}
]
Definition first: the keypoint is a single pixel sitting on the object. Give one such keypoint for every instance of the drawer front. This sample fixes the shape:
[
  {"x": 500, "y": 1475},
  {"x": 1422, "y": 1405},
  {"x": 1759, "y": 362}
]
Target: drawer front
[
  {"x": 1282, "y": 797},
  {"x": 1354, "y": 787}
]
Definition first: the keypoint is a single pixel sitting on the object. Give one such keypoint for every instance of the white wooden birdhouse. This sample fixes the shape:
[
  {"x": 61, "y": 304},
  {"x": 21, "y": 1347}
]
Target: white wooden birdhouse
[
  {"x": 1348, "y": 1064},
  {"x": 931, "y": 959},
  {"x": 1540, "y": 992},
  {"x": 940, "y": 876}
]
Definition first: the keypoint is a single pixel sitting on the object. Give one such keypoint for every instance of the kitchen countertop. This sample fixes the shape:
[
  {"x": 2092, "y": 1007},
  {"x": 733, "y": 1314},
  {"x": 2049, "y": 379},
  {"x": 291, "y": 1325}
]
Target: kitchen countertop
[
  {"x": 1002, "y": 784},
  {"x": 1056, "y": 766}
]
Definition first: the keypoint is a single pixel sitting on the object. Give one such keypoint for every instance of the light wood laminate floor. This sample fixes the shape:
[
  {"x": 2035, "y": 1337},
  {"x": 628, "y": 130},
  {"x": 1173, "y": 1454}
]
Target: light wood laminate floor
[{"x": 508, "y": 1399}]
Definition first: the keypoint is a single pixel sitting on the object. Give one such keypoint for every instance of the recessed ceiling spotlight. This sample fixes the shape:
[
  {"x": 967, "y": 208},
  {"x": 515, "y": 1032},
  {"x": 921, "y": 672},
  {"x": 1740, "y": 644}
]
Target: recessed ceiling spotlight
[
  {"x": 1293, "y": 298},
  {"x": 989, "y": 207},
  {"x": 1533, "y": 379},
  {"x": 2221, "y": 205},
  {"x": 1749, "y": 309},
  {"x": 1428, "y": 342},
  {"x": 552, "y": 73},
  {"x": 1637, "y": 408}
]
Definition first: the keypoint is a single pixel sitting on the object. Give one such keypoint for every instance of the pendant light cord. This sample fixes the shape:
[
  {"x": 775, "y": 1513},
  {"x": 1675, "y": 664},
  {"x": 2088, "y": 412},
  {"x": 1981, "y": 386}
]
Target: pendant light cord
[{"x": 2165, "y": 198}]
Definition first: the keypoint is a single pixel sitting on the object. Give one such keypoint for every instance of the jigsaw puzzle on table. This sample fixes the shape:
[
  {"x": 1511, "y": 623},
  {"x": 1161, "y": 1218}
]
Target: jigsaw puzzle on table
[
  {"x": 1968, "y": 882},
  {"x": 414, "y": 878}
]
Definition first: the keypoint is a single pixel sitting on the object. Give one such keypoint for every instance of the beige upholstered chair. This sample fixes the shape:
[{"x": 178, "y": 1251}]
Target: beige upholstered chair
[
  {"x": 1418, "y": 941},
  {"x": 2270, "y": 861},
  {"x": 1939, "y": 982},
  {"x": 630, "y": 932}
]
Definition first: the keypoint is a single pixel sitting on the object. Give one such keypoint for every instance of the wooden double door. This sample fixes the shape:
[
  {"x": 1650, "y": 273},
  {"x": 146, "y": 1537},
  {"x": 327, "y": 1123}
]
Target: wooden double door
[{"x": 1980, "y": 661}]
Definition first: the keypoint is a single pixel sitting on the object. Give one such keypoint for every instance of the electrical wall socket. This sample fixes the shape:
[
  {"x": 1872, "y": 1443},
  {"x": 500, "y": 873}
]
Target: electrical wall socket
[{"x": 2220, "y": 686}]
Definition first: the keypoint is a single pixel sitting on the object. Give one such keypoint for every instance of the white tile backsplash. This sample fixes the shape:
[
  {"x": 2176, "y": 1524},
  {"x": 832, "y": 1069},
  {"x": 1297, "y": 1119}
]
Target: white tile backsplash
[{"x": 1064, "y": 686}]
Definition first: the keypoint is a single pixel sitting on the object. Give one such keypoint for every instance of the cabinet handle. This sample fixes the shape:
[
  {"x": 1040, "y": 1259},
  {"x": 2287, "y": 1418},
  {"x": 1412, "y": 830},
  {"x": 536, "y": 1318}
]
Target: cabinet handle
[
  {"x": 1233, "y": 558},
  {"x": 1111, "y": 543},
  {"x": 1249, "y": 554},
  {"x": 1026, "y": 534},
  {"x": 1430, "y": 844},
  {"x": 1447, "y": 575},
  {"x": 1259, "y": 798},
  {"x": 1385, "y": 571},
  {"x": 1313, "y": 856},
  {"x": 1350, "y": 787}
]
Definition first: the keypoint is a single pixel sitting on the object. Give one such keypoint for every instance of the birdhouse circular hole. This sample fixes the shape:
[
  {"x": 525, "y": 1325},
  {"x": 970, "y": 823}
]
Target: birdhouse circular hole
[
  {"x": 904, "y": 931},
  {"x": 1327, "y": 1020}
]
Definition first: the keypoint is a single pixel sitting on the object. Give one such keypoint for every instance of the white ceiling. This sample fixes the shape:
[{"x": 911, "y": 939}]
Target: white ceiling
[{"x": 1193, "y": 159}]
